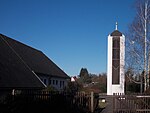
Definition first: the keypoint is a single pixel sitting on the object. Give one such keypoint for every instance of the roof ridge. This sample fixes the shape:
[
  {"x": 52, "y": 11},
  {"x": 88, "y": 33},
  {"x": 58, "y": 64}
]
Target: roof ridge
[
  {"x": 54, "y": 63},
  {"x": 21, "y": 59},
  {"x": 21, "y": 43},
  {"x": 16, "y": 53},
  {"x": 48, "y": 65}
]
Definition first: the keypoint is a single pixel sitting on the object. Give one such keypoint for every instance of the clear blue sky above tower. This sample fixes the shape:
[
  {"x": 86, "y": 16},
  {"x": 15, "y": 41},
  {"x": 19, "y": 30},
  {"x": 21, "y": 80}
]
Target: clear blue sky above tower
[{"x": 72, "y": 33}]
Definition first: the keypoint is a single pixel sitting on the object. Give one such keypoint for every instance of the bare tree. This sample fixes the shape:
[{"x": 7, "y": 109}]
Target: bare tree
[{"x": 138, "y": 41}]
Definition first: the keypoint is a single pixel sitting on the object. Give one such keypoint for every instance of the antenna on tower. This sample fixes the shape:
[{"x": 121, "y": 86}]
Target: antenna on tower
[{"x": 116, "y": 26}]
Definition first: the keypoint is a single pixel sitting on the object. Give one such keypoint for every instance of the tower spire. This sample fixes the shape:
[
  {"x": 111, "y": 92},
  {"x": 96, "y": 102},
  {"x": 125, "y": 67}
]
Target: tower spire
[{"x": 116, "y": 26}]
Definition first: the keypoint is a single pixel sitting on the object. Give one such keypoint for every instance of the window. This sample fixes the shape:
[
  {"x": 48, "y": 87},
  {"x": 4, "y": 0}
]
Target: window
[
  {"x": 116, "y": 48},
  {"x": 116, "y": 53},
  {"x": 53, "y": 82},
  {"x": 49, "y": 81},
  {"x": 56, "y": 82},
  {"x": 116, "y": 75},
  {"x": 63, "y": 83},
  {"x": 45, "y": 81},
  {"x": 116, "y": 61},
  {"x": 116, "y": 42},
  {"x": 60, "y": 84}
]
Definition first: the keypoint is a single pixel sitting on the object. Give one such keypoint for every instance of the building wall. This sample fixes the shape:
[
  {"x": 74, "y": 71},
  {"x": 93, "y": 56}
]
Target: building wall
[
  {"x": 109, "y": 66},
  {"x": 56, "y": 82},
  {"x": 122, "y": 64},
  {"x": 115, "y": 88}
]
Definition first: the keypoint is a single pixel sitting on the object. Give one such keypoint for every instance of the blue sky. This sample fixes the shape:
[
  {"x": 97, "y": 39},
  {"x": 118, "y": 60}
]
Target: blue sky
[{"x": 72, "y": 33}]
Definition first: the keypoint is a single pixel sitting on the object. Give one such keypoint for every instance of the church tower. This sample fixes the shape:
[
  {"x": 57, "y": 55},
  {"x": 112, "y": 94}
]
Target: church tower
[{"x": 115, "y": 62}]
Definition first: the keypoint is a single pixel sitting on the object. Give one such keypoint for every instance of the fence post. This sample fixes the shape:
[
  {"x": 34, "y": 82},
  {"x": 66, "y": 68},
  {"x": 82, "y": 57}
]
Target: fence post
[
  {"x": 113, "y": 96},
  {"x": 92, "y": 102}
]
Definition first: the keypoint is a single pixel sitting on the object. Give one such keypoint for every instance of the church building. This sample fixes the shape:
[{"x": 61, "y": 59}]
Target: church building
[
  {"x": 24, "y": 67},
  {"x": 115, "y": 62}
]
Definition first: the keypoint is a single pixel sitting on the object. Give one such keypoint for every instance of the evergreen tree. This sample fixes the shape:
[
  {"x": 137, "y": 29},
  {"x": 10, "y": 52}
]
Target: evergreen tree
[{"x": 84, "y": 76}]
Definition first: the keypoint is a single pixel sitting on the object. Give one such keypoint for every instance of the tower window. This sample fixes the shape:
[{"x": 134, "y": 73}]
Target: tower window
[
  {"x": 116, "y": 42},
  {"x": 116, "y": 61},
  {"x": 116, "y": 54}
]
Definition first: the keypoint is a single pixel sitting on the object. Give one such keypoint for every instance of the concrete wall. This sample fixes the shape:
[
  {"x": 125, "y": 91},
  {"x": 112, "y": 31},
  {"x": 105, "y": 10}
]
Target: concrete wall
[{"x": 115, "y": 88}]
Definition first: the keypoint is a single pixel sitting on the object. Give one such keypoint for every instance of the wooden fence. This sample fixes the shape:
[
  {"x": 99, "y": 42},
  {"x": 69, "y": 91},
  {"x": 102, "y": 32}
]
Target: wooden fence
[
  {"x": 135, "y": 103},
  {"x": 24, "y": 100},
  {"x": 87, "y": 101}
]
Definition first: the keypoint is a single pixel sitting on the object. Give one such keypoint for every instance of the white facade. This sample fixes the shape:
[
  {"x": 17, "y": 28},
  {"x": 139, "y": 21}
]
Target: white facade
[
  {"x": 57, "y": 82},
  {"x": 115, "y": 88}
]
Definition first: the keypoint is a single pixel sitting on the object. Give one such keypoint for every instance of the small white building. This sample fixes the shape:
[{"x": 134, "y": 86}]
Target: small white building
[
  {"x": 73, "y": 79},
  {"x": 115, "y": 62}
]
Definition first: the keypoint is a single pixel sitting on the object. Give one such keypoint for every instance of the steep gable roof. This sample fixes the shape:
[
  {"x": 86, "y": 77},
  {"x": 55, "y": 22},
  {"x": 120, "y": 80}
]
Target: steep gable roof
[
  {"x": 14, "y": 73},
  {"x": 36, "y": 59}
]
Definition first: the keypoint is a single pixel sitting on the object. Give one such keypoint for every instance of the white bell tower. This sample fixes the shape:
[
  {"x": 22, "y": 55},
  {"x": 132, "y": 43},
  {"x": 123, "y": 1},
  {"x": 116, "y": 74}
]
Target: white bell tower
[{"x": 115, "y": 62}]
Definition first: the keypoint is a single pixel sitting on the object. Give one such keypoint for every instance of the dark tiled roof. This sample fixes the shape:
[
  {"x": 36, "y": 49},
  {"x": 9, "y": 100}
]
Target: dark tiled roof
[
  {"x": 116, "y": 33},
  {"x": 36, "y": 59},
  {"x": 28, "y": 57},
  {"x": 13, "y": 72}
]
